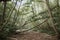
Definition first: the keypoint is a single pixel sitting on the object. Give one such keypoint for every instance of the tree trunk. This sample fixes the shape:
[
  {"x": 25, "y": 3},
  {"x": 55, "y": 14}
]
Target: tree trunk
[{"x": 50, "y": 15}]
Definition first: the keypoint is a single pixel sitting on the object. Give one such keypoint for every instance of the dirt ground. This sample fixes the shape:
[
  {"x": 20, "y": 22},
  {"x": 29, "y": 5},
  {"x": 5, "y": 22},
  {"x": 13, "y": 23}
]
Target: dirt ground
[{"x": 32, "y": 36}]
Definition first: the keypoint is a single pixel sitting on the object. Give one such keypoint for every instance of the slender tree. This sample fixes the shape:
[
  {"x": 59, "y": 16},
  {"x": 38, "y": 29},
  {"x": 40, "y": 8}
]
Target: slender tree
[{"x": 50, "y": 14}]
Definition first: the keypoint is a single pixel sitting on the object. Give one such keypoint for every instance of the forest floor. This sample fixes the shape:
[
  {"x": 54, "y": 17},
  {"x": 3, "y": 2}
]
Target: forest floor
[{"x": 33, "y": 36}]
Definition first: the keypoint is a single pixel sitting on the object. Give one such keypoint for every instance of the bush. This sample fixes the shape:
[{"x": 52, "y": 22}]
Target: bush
[{"x": 7, "y": 31}]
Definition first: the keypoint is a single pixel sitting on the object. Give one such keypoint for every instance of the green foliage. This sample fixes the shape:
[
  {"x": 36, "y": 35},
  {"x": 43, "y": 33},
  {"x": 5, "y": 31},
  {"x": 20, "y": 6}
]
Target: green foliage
[
  {"x": 7, "y": 30},
  {"x": 31, "y": 13}
]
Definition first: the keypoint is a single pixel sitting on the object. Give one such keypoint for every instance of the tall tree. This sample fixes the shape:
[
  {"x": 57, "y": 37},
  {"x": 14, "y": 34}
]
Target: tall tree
[{"x": 50, "y": 14}]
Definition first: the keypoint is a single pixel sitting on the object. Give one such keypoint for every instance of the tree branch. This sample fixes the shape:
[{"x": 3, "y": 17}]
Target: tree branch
[
  {"x": 36, "y": 16},
  {"x": 34, "y": 27}
]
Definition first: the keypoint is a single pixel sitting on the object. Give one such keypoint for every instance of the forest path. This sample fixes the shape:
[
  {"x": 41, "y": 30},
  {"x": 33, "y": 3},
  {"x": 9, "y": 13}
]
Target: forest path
[{"x": 33, "y": 36}]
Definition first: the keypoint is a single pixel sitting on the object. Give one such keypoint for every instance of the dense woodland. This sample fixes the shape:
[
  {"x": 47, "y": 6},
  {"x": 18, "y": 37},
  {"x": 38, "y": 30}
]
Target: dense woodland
[{"x": 18, "y": 16}]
